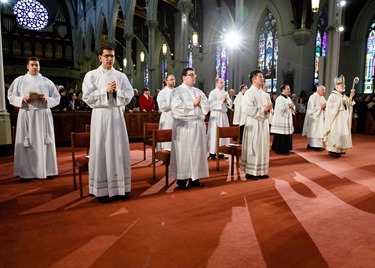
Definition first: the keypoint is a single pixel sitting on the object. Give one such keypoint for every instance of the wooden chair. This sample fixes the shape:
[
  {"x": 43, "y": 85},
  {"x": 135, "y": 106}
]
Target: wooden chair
[
  {"x": 79, "y": 141},
  {"x": 147, "y": 135},
  {"x": 232, "y": 149},
  {"x": 161, "y": 135}
]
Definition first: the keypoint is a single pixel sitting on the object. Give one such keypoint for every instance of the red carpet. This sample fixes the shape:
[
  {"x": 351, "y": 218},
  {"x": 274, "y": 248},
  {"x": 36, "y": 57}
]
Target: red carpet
[{"x": 314, "y": 211}]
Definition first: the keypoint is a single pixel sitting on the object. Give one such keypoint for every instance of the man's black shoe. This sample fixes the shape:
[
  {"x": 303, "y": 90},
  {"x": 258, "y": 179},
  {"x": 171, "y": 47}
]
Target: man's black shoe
[
  {"x": 23, "y": 180},
  {"x": 50, "y": 177},
  {"x": 195, "y": 183},
  {"x": 182, "y": 187},
  {"x": 212, "y": 157},
  {"x": 120, "y": 197},
  {"x": 104, "y": 199},
  {"x": 335, "y": 155},
  {"x": 264, "y": 177},
  {"x": 251, "y": 177},
  {"x": 318, "y": 149},
  {"x": 221, "y": 156}
]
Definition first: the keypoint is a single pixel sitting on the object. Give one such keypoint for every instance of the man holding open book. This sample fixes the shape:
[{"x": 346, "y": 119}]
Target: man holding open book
[{"x": 35, "y": 150}]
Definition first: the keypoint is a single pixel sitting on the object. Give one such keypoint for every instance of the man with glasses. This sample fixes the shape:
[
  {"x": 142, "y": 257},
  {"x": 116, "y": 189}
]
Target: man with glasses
[
  {"x": 106, "y": 90},
  {"x": 189, "y": 146},
  {"x": 164, "y": 102}
]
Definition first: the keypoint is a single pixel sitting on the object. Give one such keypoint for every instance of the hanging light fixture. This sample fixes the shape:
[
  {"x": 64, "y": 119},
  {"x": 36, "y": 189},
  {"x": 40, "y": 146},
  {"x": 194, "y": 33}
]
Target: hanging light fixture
[
  {"x": 142, "y": 56},
  {"x": 164, "y": 49},
  {"x": 195, "y": 39},
  {"x": 125, "y": 62},
  {"x": 315, "y": 5}
]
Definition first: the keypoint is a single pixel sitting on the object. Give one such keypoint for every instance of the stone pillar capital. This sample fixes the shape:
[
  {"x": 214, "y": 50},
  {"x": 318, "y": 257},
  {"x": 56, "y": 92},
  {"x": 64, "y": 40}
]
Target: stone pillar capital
[
  {"x": 185, "y": 6},
  {"x": 152, "y": 24}
]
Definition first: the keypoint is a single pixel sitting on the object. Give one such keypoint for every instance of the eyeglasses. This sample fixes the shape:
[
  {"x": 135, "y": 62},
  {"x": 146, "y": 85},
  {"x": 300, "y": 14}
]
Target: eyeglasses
[
  {"x": 192, "y": 75},
  {"x": 108, "y": 56}
]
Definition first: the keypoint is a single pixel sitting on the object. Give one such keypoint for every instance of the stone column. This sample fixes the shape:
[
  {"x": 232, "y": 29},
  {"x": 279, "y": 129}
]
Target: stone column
[
  {"x": 152, "y": 79},
  {"x": 129, "y": 67},
  {"x": 333, "y": 46},
  {"x": 5, "y": 129},
  {"x": 184, "y": 6}
]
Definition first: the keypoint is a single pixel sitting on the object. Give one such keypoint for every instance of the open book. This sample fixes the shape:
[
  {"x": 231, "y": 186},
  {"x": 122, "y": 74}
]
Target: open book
[{"x": 35, "y": 95}]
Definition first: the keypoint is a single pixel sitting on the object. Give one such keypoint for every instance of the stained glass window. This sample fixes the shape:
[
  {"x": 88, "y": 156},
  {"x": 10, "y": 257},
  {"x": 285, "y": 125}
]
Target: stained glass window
[
  {"x": 268, "y": 48},
  {"x": 370, "y": 55},
  {"x": 164, "y": 68},
  {"x": 190, "y": 55},
  {"x": 145, "y": 73},
  {"x": 320, "y": 44},
  {"x": 222, "y": 61},
  {"x": 31, "y": 14}
]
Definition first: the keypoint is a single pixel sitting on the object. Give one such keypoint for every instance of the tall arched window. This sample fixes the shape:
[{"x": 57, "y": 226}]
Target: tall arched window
[
  {"x": 190, "y": 54},
  {"x": 222, "y": 60},
  {"x": 268, "y": 48},
  {"x": 320, "y": 44},
  {"x": 370, "y": 55},
  {"x": 164, "y": 68}
]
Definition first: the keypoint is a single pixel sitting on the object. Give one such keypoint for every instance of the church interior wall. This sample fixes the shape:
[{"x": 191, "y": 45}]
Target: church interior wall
[{"x": 300, "y": 59}]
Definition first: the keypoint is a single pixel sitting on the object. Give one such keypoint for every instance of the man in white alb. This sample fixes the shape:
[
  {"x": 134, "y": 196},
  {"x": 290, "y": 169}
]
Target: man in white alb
[
  {"x": 220, "y": 102},
  {"x": 164, "y": 102},
  {"x": 106, "y": 90},
  {"x": 255, "y": 107},
  {"x": 237, "y": 119},
  {"x": 313, "y": 126},
  {"x": 189, "y": 146},
  {"x": 35, "y": 149}
]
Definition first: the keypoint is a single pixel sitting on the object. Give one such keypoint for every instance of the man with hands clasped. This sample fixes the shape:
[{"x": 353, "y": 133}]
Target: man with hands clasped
[{"x": 106, "y": 90}]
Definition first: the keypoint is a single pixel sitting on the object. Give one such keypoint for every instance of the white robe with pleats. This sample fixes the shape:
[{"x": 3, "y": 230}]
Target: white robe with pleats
[
  {"x": 109, "y": 165},
  {"x": 189, "y": 145}
]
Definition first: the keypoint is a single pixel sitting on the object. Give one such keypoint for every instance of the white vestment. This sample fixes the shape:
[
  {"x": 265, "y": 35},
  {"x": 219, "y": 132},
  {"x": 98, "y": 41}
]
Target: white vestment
[
  {"x": 337, "y": 134},
  {"x": 166, "y": 118},
  {"x": 218, "y": 118},
  {"x": 189, "y": 145},
  {"x": 109, "y": 165},
  {"x": 256, "y": 138},
  {"x": 313, "y": 126},
  {"x": 35, "y": 149},
  {"x": 282, "y": 119},
  {"x": 237, "y": 109}
]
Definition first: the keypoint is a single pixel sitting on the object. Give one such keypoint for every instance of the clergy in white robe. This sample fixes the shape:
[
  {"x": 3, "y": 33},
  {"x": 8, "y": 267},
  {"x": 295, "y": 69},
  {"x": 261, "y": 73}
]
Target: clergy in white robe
[
  {"x": 255, "y": 107},
  {"x": 282, "y": 122},
  {"x": 35, "y": 149},
  {"x": 237, "y": 119},
  {"x": 338, "y": 120},
  {"x": 106, "y": 90},
  {"x": 189, "y": 145},
  {"x": 164, "y": 102},
  {"x": 313, "y": 126},
  {"x": 220, "y": 102}
]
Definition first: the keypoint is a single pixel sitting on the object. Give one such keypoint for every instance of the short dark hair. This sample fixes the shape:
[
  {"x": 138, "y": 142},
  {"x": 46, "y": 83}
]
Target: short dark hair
[
  {"x": 253, "y": 74},
  {"x": 105, "y": 47},
  {"x": 242, "y": 86},
  {"x": 185, "y": 70},
  {"x": 283, "y": 87},
  {"x": 145, "y": 89},
  {"x": 32, "y": 59}
]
